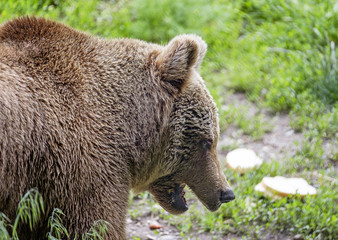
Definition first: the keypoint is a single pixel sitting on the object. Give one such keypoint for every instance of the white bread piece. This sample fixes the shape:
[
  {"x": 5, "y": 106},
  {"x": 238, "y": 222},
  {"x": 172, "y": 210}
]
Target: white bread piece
[
  {"x": 242, "y": 160},
  {"x": 262, "y": 189},
  {"x": 283, "y": 186}
]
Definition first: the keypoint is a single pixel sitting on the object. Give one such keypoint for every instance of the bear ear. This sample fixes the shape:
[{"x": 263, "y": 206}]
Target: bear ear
[{"x": 175, "y": 61}]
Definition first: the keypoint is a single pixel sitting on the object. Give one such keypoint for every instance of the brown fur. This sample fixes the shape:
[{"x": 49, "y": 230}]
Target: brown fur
[{"x": 85, "y": 120}]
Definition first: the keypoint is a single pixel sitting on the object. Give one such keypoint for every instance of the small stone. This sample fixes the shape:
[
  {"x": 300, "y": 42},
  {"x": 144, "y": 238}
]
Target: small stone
[
  {"x": 149, "y": 237},
  {"x": 298, "y": 237},
  {"x": 289, "y": 133},
  {"x": 266, "y": 149},
  {"x": 154, "y": 225},
  {"x": 168, "y": 237}
]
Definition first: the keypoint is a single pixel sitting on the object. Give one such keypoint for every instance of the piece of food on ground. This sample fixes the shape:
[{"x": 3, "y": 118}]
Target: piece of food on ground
[
  {"x": 242, "y": 160},
  {"x": 279, "y": 186}
]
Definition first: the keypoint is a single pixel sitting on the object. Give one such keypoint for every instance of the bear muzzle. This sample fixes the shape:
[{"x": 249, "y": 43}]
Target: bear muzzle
[
  {"x": 214, "y": 203},
  {"x": 226, "y": 196}
]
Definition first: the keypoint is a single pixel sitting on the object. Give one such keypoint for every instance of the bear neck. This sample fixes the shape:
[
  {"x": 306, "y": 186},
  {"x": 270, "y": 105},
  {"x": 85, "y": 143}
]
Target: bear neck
[{"x": 137, "y": 99}]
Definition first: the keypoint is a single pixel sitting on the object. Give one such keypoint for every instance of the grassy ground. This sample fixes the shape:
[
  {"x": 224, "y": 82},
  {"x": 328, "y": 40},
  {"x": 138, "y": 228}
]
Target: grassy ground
[{"x": 281, "y": 54}]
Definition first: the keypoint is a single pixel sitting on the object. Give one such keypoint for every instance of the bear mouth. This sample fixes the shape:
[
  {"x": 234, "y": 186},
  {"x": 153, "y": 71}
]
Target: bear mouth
[{"x": 178, "y": 200}]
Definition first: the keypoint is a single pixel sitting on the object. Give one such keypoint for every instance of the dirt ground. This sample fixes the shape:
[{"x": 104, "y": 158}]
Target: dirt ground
[{"x": 277, "y": 144}]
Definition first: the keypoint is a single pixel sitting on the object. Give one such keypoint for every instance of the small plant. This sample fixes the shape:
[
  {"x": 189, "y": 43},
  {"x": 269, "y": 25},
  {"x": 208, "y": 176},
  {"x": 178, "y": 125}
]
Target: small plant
[
  {"x": 29, "y": 212},
  {"x": 57, "y": 230},
  {"x": 4, "y": 234},
  {"x": 97, "y": 231}
]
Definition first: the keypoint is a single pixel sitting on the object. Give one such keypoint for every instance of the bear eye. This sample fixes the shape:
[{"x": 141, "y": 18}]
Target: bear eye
[{"x": 206, "y": 144}]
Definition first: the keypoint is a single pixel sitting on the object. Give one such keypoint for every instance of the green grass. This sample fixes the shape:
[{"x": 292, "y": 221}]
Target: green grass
[
  {"x": 253, "y": 125},
  {"x": 313, "y": 217},
  {"x": 281, "y": 53},
  {"x": 29, "y": 212}
]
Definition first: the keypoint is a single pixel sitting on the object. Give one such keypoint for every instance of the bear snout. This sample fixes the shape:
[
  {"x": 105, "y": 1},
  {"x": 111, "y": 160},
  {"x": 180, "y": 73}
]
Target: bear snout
[{"x": 226, "y": 196}]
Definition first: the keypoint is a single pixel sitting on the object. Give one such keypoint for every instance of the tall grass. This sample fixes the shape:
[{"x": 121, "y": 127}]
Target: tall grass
[{"x": 29, "y": 212}]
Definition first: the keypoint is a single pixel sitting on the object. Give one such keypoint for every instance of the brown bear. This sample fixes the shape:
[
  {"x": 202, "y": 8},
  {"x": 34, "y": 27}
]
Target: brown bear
[{"x": 85, "y": 119}]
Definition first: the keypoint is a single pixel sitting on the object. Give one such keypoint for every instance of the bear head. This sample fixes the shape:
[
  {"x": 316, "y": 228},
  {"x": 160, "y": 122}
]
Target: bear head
[{"x": 189, "y": 143}]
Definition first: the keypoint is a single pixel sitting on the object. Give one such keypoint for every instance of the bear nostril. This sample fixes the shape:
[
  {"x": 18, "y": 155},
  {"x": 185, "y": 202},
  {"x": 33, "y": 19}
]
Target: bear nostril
[{"x": 227, "y": 196}]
